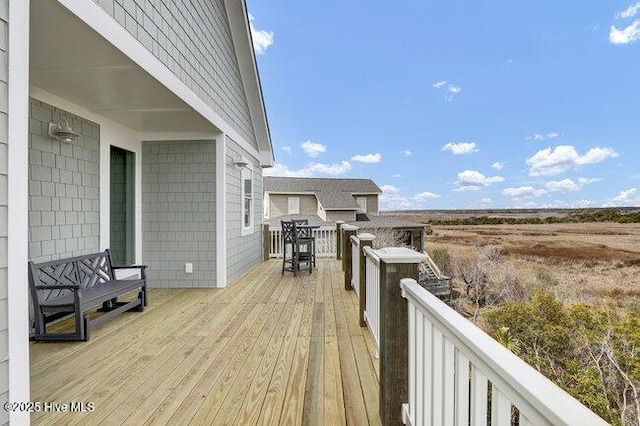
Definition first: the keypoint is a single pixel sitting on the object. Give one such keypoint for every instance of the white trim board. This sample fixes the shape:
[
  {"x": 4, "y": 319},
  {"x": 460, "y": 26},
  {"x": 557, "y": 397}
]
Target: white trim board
[
  {"x": 221, "y": 211},
  {"x": 18, "y": 200}
]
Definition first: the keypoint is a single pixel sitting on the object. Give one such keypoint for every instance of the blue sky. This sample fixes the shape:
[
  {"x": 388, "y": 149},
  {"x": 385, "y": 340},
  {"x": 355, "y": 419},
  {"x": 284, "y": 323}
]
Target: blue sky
[{"x": 457, "y": 104}]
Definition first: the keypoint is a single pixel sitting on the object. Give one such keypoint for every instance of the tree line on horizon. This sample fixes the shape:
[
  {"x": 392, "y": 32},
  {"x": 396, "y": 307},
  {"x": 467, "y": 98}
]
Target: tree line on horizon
[{"x": 581, "y": 216}]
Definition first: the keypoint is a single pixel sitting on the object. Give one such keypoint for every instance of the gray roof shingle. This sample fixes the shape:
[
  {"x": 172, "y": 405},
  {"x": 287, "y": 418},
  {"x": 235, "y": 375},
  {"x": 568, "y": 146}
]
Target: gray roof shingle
[{"x": 333, "y": 193}]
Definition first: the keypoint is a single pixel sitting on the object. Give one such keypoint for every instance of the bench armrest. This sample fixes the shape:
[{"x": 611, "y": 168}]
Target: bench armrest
[
  {"x": 142, "y": 268},
  {"x": 131, "y": 267},
  {"x": 58, "y": 287}
]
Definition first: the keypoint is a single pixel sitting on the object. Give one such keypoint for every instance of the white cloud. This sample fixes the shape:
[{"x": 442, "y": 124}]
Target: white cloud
[
  {"x": 497, "y": 165},
  {"x": 406, "y": 153},
  {"x": 450, "y": 89},
  {"x": 629, "y": 12},
  {"x": 310, "y": 170},
  {"x": 564, "y": 185},
  {"x": 485, "y": 202},
  {"x": 473, "y": 180},
  {"x": 329, "y": 169},
  {"x": 369, "y": 158},
  {"x": 261, "y": 39},
  {"x": 392, "y": 199},
  {"x": 542, "y": 136},
  {"x": 548, "y": 162},
  {"x": 625, "y": 35},
  {"x": 523, "y": 191},
  {"x": 461, "y": 148},
  {"x": 426, "y": 195},
  {"x": 628, "y": 197},
  {"x": 313, "y": 149},
  {"x": 396, "y": 175},
  {"x": 567, "y": 185},
  {"x": 287, "y": 149}
]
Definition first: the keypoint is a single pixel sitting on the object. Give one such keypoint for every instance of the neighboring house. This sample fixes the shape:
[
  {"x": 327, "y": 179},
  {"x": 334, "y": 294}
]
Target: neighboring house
[
  {"x": 166, "y": 168},
  {"x": 330, "y": 199}
]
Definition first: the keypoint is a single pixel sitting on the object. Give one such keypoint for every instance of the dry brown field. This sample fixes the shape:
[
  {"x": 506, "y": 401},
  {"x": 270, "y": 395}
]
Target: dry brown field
[{"x": 598, "y": 263}]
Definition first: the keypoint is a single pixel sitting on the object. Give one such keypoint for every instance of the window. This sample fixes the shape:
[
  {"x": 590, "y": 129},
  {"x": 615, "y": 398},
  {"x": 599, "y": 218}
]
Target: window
[
  {"x": 294, "y": 205},
  {"x": 247, "y": 200},
  {"x": 362, "y": 202}
]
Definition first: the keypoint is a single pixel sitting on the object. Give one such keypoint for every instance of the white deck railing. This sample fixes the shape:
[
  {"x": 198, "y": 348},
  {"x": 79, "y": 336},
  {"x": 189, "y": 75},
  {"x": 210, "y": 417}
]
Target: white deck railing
[
  {"x": 325, "y": 242},
  {"x": 372, "y": 303},
  {"x": 355, "y": 264},
  {"x": 452, "y": 362}
]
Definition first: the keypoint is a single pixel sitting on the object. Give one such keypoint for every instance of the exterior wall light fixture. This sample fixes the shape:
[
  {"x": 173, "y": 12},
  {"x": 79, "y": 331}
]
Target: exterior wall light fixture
[
  {"x": 62, "y": 132},
  {"x": 241, "y": 162}
]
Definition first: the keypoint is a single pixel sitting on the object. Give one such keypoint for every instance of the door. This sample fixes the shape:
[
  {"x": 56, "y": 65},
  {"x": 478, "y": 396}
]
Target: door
[{"x": 122, "y": 215}]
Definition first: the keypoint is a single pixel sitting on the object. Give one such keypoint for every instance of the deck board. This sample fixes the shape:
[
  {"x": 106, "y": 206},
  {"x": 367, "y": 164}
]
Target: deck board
[{"x": 269, "y": 349}]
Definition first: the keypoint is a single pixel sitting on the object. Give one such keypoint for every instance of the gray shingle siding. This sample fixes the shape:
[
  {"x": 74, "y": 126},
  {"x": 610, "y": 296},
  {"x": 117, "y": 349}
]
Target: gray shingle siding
[
  {"x": 243, "y": 252},
  {"x": 193, "y": 39},
  {"x": 64, "y": 186},
  {"x": 4, "y": 205},
  {"x": 179, "y": 212}
]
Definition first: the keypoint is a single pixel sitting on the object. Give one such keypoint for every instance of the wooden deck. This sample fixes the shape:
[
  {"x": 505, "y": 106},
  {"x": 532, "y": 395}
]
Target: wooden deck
[{"x": 266, "y": 350}]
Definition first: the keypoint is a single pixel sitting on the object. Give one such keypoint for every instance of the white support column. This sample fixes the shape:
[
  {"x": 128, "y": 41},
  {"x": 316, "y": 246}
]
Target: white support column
[
  {"x": 221, "y": 210},
  {"x": 18, "y": 211}
]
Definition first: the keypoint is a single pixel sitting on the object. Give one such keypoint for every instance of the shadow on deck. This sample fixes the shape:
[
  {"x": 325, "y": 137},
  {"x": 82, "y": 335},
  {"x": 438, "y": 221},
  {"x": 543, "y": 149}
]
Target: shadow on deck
[{"x": 269, "y": 349}]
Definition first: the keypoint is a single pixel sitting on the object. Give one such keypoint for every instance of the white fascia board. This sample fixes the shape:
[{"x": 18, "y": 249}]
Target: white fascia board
[
  {"x": 221, "y": 211},
  {"x": 104, "y": 24},
  {"x": 241, "y": 34},
  {"x": 18, "y": 209},
  {"x": 289, "y": 193}
]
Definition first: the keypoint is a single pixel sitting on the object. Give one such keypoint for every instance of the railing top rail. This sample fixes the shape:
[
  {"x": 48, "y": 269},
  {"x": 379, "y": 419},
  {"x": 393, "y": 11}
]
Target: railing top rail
[
  {"x": 354, "y": 239},
  {"x": 399, "y": 255},
  {"x": 321, "y": 228},
  {"x": 534, "y": 389},
  {"x": 371, "y": 254},
  {"x": 347, "y": 227}
]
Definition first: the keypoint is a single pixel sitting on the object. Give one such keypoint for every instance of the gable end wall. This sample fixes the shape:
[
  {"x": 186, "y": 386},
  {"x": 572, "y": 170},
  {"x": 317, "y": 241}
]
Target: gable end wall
[{"x": 193, "y": 39}]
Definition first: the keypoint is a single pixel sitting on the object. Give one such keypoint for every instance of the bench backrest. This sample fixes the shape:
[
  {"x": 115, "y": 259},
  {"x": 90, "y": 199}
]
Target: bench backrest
[{"x": 84, "y": 271}]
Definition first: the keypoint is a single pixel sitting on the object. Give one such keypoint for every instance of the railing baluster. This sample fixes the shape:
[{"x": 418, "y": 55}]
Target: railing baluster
[
  {"x": 449, "y": 392},
  {"x": 500, "y": 408},
  {"x": 413, "y": 351},
  {"x": 438, "y": 376},
  {"x": 421, "y": 355},
  {"x": 479, "y": 397},
  {"x": 462, "y": 389}
]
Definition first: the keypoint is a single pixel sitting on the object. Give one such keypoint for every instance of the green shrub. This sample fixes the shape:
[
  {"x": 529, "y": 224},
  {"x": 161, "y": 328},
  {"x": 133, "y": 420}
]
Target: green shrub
[{"x": 593, "y": 353}]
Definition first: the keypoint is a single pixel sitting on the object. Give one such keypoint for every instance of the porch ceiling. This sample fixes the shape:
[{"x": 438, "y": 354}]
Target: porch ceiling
[{"x": 70, "y": 60}]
